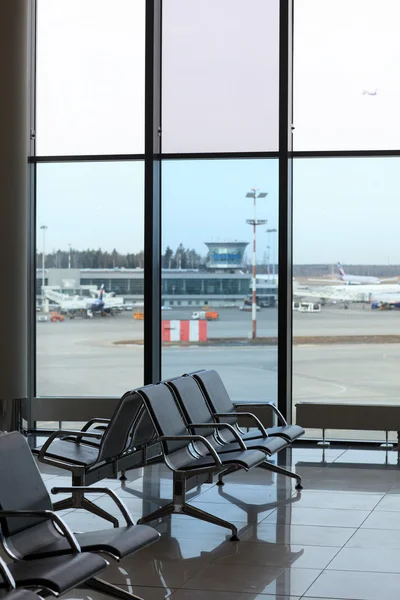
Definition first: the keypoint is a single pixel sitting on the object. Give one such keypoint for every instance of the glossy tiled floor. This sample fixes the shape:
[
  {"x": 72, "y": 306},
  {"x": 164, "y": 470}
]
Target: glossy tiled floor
[{"x": 338, "y": 539}]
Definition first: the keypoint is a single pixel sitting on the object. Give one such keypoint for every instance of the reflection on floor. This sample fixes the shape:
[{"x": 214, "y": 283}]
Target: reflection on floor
[{"x": 338, "y": 539}]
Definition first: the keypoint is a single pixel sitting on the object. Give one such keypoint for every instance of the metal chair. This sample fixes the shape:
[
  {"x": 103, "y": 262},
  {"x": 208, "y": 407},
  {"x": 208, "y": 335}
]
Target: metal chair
[
  {"x": 224, "y": 437},
  {"x": 55, "y": 575},
  {"x": 184, "y": 459},
  {"x": 222, "y": 406},
  {"x": 117, "y": 448},
  {"x": 30, "y": 528}
]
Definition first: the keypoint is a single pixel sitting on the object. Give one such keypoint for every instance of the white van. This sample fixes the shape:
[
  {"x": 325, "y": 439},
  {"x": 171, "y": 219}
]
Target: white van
[{"x": 309, "y": 307}]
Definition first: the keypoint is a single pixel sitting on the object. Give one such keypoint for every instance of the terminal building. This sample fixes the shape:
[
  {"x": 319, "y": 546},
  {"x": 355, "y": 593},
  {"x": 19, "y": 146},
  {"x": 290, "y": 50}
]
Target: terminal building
[{"x": 224, "y": 282}]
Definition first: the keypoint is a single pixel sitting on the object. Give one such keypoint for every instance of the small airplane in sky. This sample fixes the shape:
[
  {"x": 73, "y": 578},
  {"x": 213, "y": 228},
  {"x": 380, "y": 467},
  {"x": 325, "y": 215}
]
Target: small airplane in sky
[{"x": 369, "y": 93}]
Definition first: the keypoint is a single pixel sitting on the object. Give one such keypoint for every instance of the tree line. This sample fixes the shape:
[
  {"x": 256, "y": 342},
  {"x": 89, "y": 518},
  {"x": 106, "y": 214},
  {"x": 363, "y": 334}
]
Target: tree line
[{"x": 181, "y": 258}]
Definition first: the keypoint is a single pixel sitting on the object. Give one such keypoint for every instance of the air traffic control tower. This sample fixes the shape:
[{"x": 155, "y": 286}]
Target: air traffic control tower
[{"x": 225, "y": 256}]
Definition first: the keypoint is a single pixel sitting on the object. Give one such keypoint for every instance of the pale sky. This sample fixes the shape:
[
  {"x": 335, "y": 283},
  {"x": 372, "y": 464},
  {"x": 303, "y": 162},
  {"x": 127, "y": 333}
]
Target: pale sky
[{"x": 220, "y": 94}]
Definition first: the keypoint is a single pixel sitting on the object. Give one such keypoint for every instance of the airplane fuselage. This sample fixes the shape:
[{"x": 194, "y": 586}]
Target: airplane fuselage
[{"x": 359, "y": 279}]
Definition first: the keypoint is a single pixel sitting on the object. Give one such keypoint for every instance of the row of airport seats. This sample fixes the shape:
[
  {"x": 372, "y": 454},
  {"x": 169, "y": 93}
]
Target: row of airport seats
[
  {"x": 189, "y": 422},
  {"x": 44, "y": 553}
]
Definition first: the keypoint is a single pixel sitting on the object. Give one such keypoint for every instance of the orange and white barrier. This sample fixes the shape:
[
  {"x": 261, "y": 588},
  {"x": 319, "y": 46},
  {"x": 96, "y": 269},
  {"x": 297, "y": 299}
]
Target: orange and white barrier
[{"x": 184, "y": 331}]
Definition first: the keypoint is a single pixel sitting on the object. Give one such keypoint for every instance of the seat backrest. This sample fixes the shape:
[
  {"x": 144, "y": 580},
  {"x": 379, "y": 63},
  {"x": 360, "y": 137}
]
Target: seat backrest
[
  {"x": 165, "y": 414},
  {"x": 193, "y": 403},
  {"x": 216, "y": 394},
  {"x": 143, "y": 431},
  {"x": 114, "y": 440},
  {"x": 21, "y": 485}
]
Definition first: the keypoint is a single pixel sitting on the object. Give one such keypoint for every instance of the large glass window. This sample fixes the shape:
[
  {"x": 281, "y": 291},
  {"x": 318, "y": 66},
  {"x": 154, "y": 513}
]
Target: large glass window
[
  {"x": 347, "y": 264},
  {"x": 90, "y": 77},
  {"x": 90, "y": 224},
  {"x": 346, "y": 84},
  {"x": 205, "y": 216},
  {"x": 220, "y": 75}
]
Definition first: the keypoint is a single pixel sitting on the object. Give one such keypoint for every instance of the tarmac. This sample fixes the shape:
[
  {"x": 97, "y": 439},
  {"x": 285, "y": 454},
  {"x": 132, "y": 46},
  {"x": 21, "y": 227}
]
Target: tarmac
[{"x": 80, "y": 357}]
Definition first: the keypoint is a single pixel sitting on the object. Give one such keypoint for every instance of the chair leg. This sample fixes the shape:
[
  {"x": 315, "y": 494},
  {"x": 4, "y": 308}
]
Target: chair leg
[
  {"x": 220, "y": 481},
  {"x": 163, "y": 511},
  {"x": 96, "y": 510},
  {"x": 281, "y": 471},
  {"x": 197, "y": 513},
  {"x": 111, "y": 590},
  {"x": 64, "y": 504}
]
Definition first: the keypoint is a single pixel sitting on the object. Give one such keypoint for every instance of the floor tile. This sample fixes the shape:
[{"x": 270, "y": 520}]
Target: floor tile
[
  {"x": 253, "y": 579},
  {"x": 134, "y": 505},
  {"x": 350, "y": 584},
  {"x": 231, "y": 512},
  {"x": 257, "y": 494},
  {"x": 274, "y": 555},
  {"x": 148, "y": 593},
  {"x": 382, "y": 520},
  {"x": 207, "y": 595},
  {"x": 170, "y": 572},
  {"x": 81, "y": 520},
  {"x": 379, "y": 457},
  {"x": 390, "y": 502},
  {"x": 342, "y": 478},
  {"x": 351, "y": 500},
  {"x": 375, "y": 538},
  {"x": 307, "y": 535},
  {"x": 366, "y": 559},
  {"x": 184, "y": 527},
  {"x": 329, "y": 517}
]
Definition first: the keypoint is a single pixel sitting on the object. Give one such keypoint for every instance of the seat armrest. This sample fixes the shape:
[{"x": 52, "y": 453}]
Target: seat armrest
[
  {"x": 52, "y": 516},
  {"x": 99, "y": 420},
  {"x": 270, "y": 405},
  {"x": 6, "y": 575},
  {"x": 222, "y": 426},
  {"x": 96, "y": 490},
  {"x": 247, "y": 414},
  {"x": 193, "y": 438},
  {"x": 61, "y": 432}
]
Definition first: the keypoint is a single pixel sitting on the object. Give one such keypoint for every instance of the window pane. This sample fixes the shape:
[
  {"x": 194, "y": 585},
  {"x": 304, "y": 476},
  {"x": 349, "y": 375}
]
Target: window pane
[
  {"x": 220, "y": 75},
  {"x": 346, "y": 84},
  {"x": 90, "y": 222},
  {"x": 90, "y": 77},
  {"x": 207, "y": 258},
  {"x": 346, "y": 210}
]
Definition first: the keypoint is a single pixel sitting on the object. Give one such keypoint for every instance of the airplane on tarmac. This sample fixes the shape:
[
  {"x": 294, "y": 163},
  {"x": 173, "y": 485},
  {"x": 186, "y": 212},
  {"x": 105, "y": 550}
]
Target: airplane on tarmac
[
  {"x": 348, "y": 279},
  {"x": 103, "y": 304},
  {"x": 369, "y": 93},
  {"x": 388, "y": 301},
  {"x": 360, "y": 279}
]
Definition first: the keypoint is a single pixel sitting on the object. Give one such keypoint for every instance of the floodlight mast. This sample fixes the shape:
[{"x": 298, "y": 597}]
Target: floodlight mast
[{"x": 255, "y": 194}]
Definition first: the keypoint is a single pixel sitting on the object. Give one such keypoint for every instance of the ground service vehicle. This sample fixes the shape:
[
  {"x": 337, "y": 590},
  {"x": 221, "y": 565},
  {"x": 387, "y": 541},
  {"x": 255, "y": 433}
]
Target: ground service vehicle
[
  {"x": 55, "y": 316},
  {"x": 209, "y": 315},
  {"x": 309, "y": 307},
  {"x": 138, "y": 315}
]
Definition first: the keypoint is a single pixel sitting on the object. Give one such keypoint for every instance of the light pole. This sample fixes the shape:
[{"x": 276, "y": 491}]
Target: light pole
[
  {"x": 69, "y": 256},
  {"x": 254, "y": 193},
  {"x": 269, "y": 231},
  {"x": 43, "y": 228},
  {"x": 268, "y": 259}
]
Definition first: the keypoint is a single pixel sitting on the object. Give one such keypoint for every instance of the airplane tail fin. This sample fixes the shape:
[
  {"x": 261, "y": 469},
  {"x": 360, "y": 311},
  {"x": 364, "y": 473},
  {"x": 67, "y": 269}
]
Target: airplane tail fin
[
  {"x": 101, "y": 292},
  {"x": 341, "y": 270}
]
